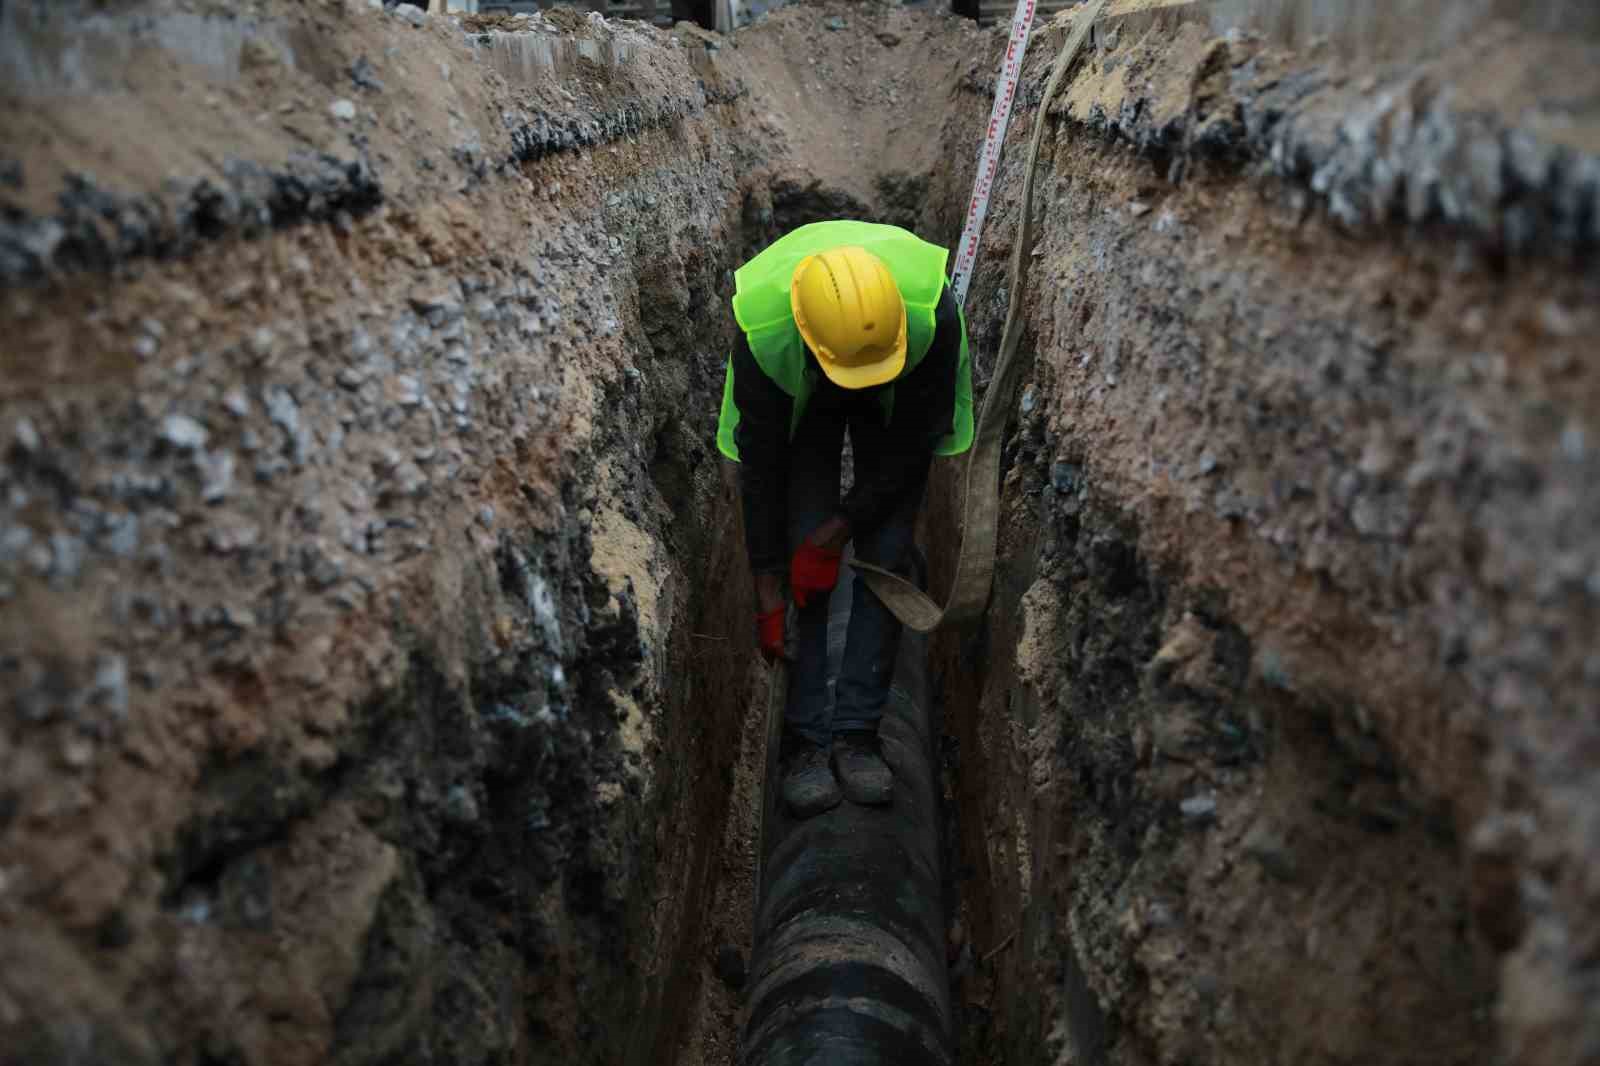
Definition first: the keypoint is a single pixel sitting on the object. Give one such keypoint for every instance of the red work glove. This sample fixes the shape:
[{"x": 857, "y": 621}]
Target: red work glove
[
  {"x": 813, "y": 572},
  {"x": 769, "y": 630}
]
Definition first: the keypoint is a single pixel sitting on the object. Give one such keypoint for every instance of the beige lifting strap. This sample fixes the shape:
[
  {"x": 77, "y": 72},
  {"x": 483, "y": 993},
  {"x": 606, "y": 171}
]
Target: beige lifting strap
[{"x": 969, "y": 595}]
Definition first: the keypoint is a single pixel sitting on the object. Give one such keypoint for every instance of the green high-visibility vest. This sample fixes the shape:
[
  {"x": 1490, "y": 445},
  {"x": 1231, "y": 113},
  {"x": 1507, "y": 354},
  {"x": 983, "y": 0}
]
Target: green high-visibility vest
[{"x": 761, "y": 307}]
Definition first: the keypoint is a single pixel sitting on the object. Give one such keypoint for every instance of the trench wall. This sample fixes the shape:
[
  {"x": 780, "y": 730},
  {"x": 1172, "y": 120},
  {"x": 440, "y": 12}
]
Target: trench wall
[
  {"x": 356, "y": 464},
  {"x": 1275, "y": 748}
]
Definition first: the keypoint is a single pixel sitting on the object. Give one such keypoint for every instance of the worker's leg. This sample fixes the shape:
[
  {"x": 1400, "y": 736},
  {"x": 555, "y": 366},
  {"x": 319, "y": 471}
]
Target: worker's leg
[
  {"x": 813, "y": 499},
  {"x": 874, "y": 634}
]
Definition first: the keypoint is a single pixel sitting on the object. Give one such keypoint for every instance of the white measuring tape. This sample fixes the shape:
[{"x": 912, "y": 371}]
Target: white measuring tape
[{"x": 989, "y": 155}]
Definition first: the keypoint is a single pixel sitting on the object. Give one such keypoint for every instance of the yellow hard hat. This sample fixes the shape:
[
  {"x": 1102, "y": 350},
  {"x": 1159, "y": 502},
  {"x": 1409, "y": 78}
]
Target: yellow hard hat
[{"x": 850, "y": 313}]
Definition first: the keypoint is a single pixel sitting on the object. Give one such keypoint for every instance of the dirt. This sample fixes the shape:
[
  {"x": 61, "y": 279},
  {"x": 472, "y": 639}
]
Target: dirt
[
  {"x": 355, "y": 724},
  {"x": 1249, "y": 789},
  {"x": 373, "y": 619}
]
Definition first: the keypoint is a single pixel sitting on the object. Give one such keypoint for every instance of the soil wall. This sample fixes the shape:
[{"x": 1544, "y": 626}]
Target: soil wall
[
  {"x": 363, "y": 699},
  {"x": 1279, "y": 748}
]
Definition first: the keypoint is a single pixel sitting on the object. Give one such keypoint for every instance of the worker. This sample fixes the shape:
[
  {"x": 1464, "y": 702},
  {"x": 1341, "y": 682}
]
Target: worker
[{"x": 843, "y": 325}]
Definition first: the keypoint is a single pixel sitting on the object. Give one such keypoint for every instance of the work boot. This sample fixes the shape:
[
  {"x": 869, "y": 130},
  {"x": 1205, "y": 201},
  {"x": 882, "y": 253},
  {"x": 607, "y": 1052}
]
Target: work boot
[
  {"x": 808, "y": 784},
  {"x": 858, "y": 762}
]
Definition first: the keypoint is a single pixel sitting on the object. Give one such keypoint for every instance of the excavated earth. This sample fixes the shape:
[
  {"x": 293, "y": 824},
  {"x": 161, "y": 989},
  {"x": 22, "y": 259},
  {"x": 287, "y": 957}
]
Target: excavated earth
[
  {"x": 1279, "y": 744},
  {"x": 374, "y": 630}
]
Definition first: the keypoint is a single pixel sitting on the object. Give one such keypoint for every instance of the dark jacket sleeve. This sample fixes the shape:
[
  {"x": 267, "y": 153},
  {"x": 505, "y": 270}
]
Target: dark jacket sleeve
[
  {"x": 762, "y": 437},
  {"x": 924, "y": 413}
]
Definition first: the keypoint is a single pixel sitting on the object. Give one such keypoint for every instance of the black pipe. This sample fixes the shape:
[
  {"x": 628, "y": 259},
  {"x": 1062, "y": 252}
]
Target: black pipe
[{"x": 849, "y": 964}]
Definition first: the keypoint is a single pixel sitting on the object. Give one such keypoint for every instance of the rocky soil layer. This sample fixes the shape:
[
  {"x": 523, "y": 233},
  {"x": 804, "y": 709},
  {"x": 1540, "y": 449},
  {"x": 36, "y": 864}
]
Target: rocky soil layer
[
  {"x": 356, "y": 479},
  {"x": 1283, "y": 741}
]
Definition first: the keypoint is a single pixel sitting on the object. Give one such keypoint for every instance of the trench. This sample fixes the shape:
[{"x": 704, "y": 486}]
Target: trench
[{"x": 376, "y": 618}]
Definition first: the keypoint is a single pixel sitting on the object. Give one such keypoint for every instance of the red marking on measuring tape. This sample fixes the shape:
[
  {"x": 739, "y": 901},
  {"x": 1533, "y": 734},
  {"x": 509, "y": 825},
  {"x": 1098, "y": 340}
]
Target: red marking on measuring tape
[{"x": 989, "y": 154}]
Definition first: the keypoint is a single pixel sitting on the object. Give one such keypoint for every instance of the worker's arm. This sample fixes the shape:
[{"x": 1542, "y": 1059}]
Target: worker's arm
[
  {"x": 762, "y": 437},
  {"x": 924, "y": 413}
]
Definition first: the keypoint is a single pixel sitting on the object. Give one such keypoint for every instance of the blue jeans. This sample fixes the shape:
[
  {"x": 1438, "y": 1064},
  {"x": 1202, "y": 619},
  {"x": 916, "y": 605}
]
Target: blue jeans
[{"x": 873, "y": 637}]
